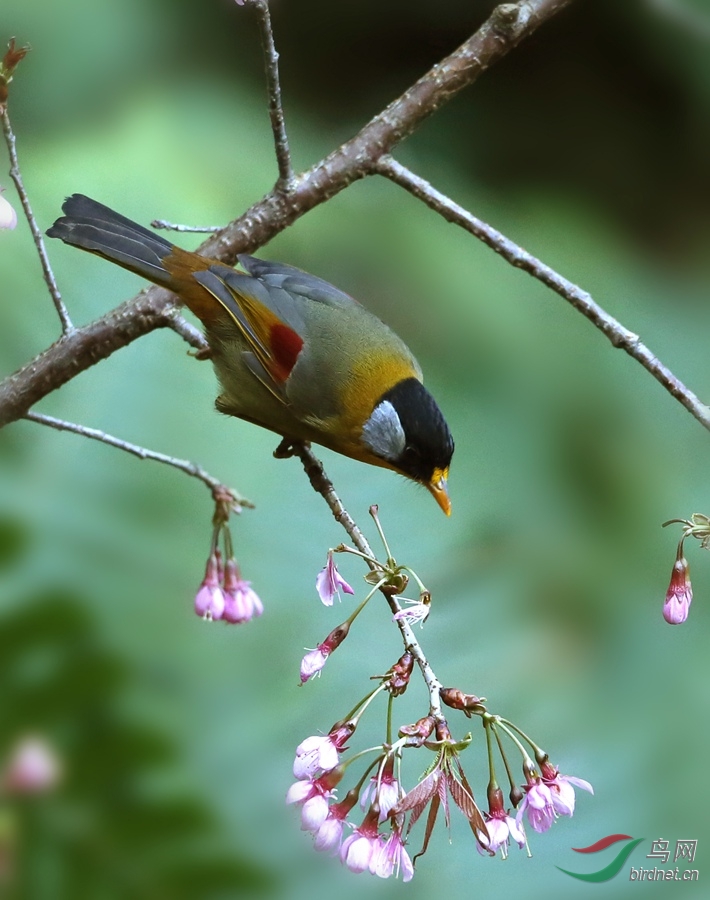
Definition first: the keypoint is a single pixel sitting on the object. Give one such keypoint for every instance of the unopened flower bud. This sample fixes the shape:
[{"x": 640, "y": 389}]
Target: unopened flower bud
[
  {"x": 420, "y": 730},
  {"x": 395, "y": 584},
  {"x": 341, "y": 732},
  {"x": 680, "y": 592},
  {"x": 400, "y": 673},
  {"x": 442, "y": 731},
  {"x": 516, "y": 794},
  {"x": 529, "y": 770},
  {"x": 456, "y": 699},
  {"x": 13, "y": 56},
  {"x": 495, "y": 798}
]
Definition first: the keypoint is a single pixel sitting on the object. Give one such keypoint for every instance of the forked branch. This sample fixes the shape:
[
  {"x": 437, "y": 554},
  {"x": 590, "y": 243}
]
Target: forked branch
[{"x": 78, "y": 350}]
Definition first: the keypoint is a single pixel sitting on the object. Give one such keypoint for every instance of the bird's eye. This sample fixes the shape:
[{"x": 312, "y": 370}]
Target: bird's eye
[{"x": 411, "y": 454}]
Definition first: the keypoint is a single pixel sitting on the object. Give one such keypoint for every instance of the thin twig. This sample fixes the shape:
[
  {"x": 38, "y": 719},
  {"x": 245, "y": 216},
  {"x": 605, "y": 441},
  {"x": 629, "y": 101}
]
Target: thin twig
[
  {"x": 217, "y": 489},
  {"x": 324, "y": 486},
  {"x": 581, "y": 300},
  {"x": 16, "y": 176},
  {"x": 286, "y": 179}
]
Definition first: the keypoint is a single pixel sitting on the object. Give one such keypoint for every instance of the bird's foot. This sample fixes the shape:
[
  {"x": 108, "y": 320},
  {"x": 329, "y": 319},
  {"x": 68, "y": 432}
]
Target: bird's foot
[{"x": 287, "y": 448}]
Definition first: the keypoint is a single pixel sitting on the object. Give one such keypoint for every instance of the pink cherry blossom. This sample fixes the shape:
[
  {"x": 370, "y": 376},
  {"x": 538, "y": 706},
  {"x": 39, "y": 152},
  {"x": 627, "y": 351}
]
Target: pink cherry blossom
[
  {"x": 384, "y": 789},
  {"x": 391, "y": 858},
  {"x": 300, "y": 791},
  {"x": 316, "y": 753},
  {"x": 358, "y": 851},
  {"x": 313, "y": 662},
  {"x": 329, "y": 836},
  {"x": 209, "y": 600},
  {"x": 501, "y": 827},
  {"x": 320, "y": 751},
  {"x": 549, "y": 796},
  {"x": 562, "y": 790},
  {"x": 537, "y": 802},
  {"x": 241, "y": 603},
  {"x": 330, "y": 582},
  {"x": 312, "y": 796},
  {"x": 417, "y": 611},
  {"x": 314, "y": 812}
]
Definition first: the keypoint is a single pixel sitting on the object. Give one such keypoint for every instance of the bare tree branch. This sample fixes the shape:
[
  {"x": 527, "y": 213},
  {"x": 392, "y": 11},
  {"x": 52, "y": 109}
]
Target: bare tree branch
[
  {"x": 582, "y": 301},
  {"x": 508, "y": 25}
]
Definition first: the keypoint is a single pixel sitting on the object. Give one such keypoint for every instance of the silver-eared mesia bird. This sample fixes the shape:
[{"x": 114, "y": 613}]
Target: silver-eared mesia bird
[{"x": 292, "y": 353}]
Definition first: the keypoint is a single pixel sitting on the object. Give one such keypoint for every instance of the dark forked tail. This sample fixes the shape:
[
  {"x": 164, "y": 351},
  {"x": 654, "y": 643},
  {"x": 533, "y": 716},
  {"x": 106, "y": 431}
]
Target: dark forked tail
[{"x": 98, "y": 229}]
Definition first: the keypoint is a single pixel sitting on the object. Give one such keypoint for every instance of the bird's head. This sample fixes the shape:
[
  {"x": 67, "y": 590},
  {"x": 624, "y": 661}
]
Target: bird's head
[{"x": 408, "y": 432}]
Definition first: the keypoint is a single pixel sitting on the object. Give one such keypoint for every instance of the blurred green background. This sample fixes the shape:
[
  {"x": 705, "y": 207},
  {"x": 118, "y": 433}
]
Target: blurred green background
[{"x": 589, "y": 146}]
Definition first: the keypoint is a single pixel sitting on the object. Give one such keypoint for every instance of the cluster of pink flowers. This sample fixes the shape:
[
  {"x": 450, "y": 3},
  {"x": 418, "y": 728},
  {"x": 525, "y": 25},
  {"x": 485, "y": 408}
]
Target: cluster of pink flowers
[
  {"x": 223, "y": 594},
  {"x": 317, "y": 766},
  {"x": 377, "y": 844},
  {"x": 546, "y": 796}
]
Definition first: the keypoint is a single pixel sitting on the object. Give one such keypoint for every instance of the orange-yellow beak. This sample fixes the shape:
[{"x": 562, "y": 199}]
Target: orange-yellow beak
[{"x": 437, "y": 488}]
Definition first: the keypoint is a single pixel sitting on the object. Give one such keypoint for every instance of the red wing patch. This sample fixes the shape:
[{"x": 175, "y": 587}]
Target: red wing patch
[{"x": 285, "y": 347}]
